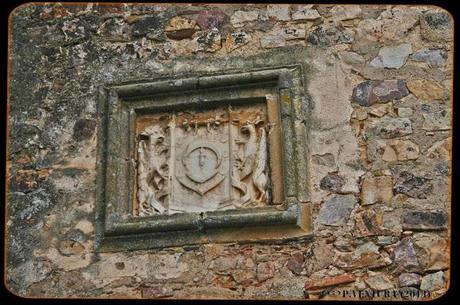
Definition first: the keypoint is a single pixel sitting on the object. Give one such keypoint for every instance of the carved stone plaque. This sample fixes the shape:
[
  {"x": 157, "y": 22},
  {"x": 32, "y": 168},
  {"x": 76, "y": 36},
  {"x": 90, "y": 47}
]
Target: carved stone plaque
[
  {"x": 203, "y": 158},
  {"x": 199, "y": 161}
]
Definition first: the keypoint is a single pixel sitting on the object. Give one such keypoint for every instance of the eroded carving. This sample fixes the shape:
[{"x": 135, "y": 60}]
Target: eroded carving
[
  {"x": 152, "y": 171},
  {"x": 217, "y": 160}
]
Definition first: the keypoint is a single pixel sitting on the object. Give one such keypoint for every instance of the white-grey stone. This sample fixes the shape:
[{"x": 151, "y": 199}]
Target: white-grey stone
[
  {"x": 294, "y": 33},
  {"x": 351, "y": 58},
  {"x": 240, "y": 17},
  {"x": 305, "y": 14},
  {"x": 389, "y": 128},
  {"x": 278, "y": 12},
  {"x": 434, "y": 121},
  {"x": 392, "y": 57},
  {"x": 405, "y": 112},
  {"x": 432, "y": 57},
  {"x": 335, "y": 211},
  {"x": 379, "y": 281},
  {"x": 433, "y": 281},
  {"x": 386, "y": 240},
  {"x": 409, "y": 280},
  {"x": 273, "y": 40},
  {"x": 348, "y": 12}
]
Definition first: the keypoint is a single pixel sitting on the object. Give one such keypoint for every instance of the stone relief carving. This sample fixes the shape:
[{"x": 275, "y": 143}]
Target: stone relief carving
[
  {"x": 152, "y": 171},
  {"x": 203, "y": 161}
]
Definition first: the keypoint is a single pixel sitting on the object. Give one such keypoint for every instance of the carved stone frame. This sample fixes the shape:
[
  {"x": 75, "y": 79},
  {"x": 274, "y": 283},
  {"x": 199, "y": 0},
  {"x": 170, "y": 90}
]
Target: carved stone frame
[{"x": 282, "y": 88}]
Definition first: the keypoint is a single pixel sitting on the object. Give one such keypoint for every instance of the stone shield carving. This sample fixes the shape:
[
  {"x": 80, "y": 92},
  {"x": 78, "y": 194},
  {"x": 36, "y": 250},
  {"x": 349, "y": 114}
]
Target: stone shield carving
[{"x": 201, "y": 161}]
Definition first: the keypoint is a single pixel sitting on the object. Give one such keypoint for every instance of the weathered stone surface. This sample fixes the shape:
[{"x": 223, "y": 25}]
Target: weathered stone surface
[
  {"x": 434, "y": 121},
  {"x": 392, "y": 57},
  {"x": 389, "y": 128},
  {"x": 394, "y": 24},
  {"x": 296, "y": 263},
  {"x": 351, "y": 58},
  {"x": 209, "y": 19},
  {"x": 409, "y": 280},
  {"x": 436, "y": 26},
  {"x": 440, "y": 150},
  {"x": 236, "y": 40},
  {"x": 85, "y": 226},
  {"x": 431, "y": 251},
  {"x": 400, "y": 150},
  {"x": 348, "y": 12},
  {"x": 240, "y": 17},
  {"x": 33, "y": 271},
  {"x": 273, "y": 40},
  {"x": 150, "y": 25},
  {"x": 335, "y": 211},
  {"x": 84, "y": 129},
  {"x": 180, "y": 28},
  {"x": 303, "y": 13},
  {"x": 413, "y": 186},
  {"x": 371, "y": 92},
  {"x": 379, "y": 281},
  {"x": 156, "y": 291},
  {"x": 319, "y": 256},
  {"x": 293, "y": 33},
  {"x": 330, "y": 281},
  {"x": 243, "y": 276},
  {"x": 265, "y": 271},
  {"x": 386, "y": 240},
  {"x": 405, "y": 112},
  {"x": 343, "y": 244},
  {"x": 369, "y": 223},
  {"x": 377, "y": 190},
  {"x": 115, "y": 30},
  {"x": 278, "y": 38},
  {"x": 325, "y": 160},
  {"x": 433, "y": 57},
  {"x": 379, "y": 110},
  {"x": 70, "y": 247},
  {"x": 278, "y": 12},
  {"x": 393, "y": 150},
  {"x": 426, "y": 89},
  {"x": 333, "y": 182},
  {"x": 365, "y": 256},
  {"x": 76, "y": 50},
  {"x": 224, "y": 264},
  {"x": 323, "y": 36},
  {"x": 26, "y": 181},
  {"x": 433, "y": 281},
  {"x": 208, "y": 41},
  {"x": 405, "y": 258},
  {"x": 425, "y": 220}
]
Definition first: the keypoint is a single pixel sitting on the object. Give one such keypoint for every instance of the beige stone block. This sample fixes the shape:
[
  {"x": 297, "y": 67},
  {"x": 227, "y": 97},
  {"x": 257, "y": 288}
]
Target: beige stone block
[{"x": 377, "y": 190}]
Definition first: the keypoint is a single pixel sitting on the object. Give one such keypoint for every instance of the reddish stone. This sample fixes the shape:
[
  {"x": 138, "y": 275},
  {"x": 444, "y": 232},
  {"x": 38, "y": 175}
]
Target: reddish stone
[
  {"x": 379, "y": 91},
  {"x": 296, "y": 263},
  {"x": 265, "y": 271},
  {"x": 209, "y": 19},
  {"x": 370, "y": 224},
  {"x": 156, "y": 292},
  {"x": 224, "y": 281},
  {"x": 332, "y": 281}
]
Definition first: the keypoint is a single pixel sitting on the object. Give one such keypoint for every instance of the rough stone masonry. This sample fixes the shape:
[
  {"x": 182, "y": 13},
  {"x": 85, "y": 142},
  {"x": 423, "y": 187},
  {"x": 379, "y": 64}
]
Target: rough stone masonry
[{"x": 379, "y": 150}]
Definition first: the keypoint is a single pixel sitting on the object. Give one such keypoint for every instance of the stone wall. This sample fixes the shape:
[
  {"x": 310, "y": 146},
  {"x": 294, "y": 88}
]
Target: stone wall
[{"x": 379, "y": 148}]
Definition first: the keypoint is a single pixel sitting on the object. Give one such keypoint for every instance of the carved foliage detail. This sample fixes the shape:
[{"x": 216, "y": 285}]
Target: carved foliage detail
[
  {"x": 153, "y": 155},
  {"x": 249, "y": 175}
]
